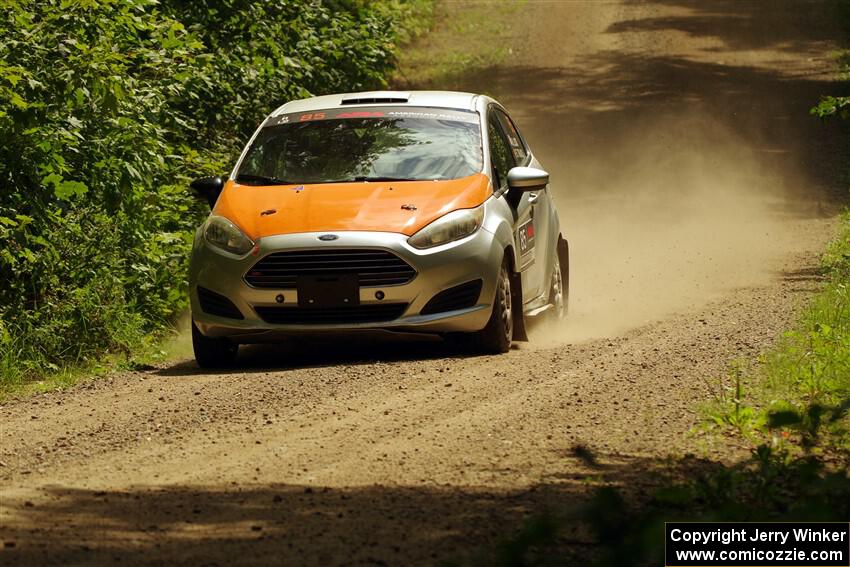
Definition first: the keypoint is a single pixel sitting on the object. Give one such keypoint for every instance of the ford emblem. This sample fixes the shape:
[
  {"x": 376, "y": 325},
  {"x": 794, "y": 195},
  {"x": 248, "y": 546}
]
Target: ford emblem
[{"x": 328, "y": 237}]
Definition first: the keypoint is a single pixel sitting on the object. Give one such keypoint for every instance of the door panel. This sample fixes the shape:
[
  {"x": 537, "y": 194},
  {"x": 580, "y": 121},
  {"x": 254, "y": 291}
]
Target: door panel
[
  {"x": 530, "y": 241},
  {"x": 532, "y": 209}
]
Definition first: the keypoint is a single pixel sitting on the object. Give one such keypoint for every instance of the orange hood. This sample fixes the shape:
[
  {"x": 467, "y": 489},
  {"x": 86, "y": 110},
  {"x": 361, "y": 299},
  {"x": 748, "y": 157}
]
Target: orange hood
[{"x": 286, "y": 209}]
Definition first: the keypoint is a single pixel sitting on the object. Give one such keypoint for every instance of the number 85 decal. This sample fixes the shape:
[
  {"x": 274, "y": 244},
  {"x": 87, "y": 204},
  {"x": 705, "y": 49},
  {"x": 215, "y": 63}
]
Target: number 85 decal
[
  {"x": 312, "y": 116},
  {"x": 525, "y": 234}
]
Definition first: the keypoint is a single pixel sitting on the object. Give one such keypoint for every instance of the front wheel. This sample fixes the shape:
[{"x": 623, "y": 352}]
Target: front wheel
[
  {"x": 498, "y": 335},
  {"x": 213, "y": 352}
]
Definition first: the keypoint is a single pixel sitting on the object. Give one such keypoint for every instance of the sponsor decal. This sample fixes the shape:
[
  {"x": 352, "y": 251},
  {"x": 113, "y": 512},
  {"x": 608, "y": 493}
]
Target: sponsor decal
[{"x": 359, "y": 114}]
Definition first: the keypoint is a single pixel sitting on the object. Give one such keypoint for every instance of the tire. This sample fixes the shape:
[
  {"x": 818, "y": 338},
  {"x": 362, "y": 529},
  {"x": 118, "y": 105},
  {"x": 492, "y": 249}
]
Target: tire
[
  {"x": 211, "y": 352},
  {"x": 497, "y": 336},
  {"x": 564, "y": 259},
  {"x": 559, "y": 288}
]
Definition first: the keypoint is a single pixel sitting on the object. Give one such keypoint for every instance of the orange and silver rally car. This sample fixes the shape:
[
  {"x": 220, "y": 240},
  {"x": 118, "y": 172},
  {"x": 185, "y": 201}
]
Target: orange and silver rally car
[{"x": 421, "y": 212}]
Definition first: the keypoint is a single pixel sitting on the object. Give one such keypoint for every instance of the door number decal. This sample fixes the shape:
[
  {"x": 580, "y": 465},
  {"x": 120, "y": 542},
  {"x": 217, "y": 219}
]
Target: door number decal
[{"x": 525, "y": 236}]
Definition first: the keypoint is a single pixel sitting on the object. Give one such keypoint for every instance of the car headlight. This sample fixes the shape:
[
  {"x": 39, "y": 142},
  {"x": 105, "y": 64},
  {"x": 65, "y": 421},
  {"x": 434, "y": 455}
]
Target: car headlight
[
  {"x": 223, "y": 234},
  {"x": 447, "y": 228}
]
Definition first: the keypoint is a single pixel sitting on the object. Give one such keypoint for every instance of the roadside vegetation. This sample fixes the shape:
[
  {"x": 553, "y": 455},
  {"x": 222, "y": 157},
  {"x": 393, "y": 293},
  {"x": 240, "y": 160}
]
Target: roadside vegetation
[
  {"x": 107, "y": 109},
  {"x": 462, "y": 41},
  {"x": 834, "y": 105},
  {"x": 804, "y": 383}
]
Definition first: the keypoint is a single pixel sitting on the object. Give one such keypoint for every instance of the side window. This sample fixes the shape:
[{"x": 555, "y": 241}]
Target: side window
[
  {"x": 500, "y": 155},
  {"x": 518, "y": 149}
]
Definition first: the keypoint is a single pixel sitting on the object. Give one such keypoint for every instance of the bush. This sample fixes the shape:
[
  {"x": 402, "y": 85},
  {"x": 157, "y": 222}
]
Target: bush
[
  {"x": 836, "y": 105},
  {"x": 107, "y": 108}
]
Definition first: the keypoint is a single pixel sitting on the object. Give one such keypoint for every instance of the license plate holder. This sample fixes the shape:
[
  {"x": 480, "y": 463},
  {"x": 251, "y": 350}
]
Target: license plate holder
[{"x": 318, "y": 292}]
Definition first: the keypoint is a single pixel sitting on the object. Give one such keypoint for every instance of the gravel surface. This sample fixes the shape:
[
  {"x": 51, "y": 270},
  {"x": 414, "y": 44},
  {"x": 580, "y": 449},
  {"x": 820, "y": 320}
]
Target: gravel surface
[{"x": 695, "y": 232}]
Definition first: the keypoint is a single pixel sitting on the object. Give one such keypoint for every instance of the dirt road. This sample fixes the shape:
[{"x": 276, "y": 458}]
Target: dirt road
[{"x": 697, "y": 195}]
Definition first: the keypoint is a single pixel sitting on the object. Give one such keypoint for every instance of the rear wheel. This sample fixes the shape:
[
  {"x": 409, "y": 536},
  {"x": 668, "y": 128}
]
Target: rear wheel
[
  {"x": 213, "y": 352},
  {"x": 556, "y": 293},
  {"x": 497, "y": 336},
  {"x": 559, "y": 290}
]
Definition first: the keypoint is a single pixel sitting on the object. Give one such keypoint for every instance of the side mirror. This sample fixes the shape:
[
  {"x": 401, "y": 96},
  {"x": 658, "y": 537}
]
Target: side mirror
[
  {"x": 527, "y": 179},
  {"x": 209, "y": 188}
]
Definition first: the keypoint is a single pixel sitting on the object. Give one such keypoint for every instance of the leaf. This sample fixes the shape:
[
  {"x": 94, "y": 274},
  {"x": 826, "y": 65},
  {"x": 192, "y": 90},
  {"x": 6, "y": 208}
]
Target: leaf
[
  {"x": 18, "y": 102},
  {"x": 68, "y": 189},
  {"x": 28, "y": 255},
  {"x": 53, "y": 179}
]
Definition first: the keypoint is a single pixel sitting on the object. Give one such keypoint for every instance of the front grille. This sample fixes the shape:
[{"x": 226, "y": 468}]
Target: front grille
[
  {"x": 457, "y": 297},
  {"x": 216, "y": 304},
  {"x": 372, "y": 313},
  {"x": 374, "y": 268}
]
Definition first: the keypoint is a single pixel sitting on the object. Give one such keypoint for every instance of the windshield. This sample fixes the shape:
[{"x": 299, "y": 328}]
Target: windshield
[{"x": 373, "y": 144}]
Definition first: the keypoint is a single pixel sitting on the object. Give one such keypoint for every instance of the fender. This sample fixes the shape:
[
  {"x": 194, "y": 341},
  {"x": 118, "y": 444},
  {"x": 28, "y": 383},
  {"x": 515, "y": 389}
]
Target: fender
[{"x": 504, "y": 232}]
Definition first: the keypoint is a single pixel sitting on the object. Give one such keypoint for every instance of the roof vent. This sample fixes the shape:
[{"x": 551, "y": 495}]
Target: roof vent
[{"x": 379, "y": 97}]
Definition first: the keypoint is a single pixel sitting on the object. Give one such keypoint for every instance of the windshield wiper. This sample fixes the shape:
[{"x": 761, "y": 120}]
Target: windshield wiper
[
  {"x": 262, "y": 179},
  {"x": 381, "y": 178}
]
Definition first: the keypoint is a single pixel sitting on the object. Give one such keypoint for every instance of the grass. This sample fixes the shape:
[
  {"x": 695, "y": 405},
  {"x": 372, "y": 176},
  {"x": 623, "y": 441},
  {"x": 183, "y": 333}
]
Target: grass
[
  {"x": 467, "y": 35},
  {"x": 803, "y": 384},
  {"x": 147, "y": 351}
]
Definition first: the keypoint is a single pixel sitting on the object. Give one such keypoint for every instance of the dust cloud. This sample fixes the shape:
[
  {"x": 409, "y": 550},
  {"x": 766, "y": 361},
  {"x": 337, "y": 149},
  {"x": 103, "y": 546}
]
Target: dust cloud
[
  {"x": 669, "y": 218},
  {"x": 683, "y": 161}
]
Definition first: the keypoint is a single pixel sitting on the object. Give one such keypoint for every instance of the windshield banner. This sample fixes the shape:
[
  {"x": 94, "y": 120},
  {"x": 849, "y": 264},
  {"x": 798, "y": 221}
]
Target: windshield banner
[{"x": 386, "y": 112}]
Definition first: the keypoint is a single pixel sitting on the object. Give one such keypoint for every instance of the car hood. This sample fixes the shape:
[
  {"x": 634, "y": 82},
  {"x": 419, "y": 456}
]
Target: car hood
[{"x": 397, "y": 206}]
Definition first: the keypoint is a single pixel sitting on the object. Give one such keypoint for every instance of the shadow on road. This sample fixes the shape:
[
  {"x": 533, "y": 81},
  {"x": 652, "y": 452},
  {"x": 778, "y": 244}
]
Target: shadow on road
[
  {"x": 609, "y": 507},
  {"x": 322, "y": 350},
  {"x": 311, "y": 525},
  {"x": 750, "y": 24},
  {"x": 601, "y": 122}
]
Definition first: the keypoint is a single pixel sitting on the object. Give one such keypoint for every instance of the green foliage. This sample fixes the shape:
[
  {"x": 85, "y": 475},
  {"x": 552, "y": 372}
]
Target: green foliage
[
  {"x": 833, "y": 106},
  {"x": 261, "y": 54},
  {"x": 107, "y": 108},
  {"x": 836, "y": 105},
  {"x": 730, "y": 408}
]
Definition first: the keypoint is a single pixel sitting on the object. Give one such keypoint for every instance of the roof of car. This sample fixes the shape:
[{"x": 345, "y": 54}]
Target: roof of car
[{"x": 436, "y": 99}]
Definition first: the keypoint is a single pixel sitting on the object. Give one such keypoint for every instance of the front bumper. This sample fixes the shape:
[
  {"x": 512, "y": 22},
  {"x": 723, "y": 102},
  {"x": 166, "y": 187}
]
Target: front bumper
[{"x": 475, "y": 257}]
